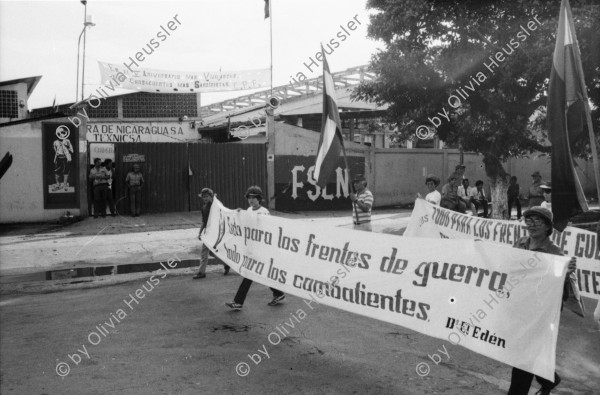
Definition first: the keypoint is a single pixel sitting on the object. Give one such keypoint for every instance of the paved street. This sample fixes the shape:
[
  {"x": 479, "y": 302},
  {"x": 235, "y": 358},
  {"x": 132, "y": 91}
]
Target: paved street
[
  {"x": 178, "y": 337},
  {"x": 181, "y": 338}
]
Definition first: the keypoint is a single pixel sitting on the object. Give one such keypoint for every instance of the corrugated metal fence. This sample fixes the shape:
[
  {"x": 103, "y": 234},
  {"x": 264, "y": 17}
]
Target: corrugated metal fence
[
  {"x": 228, "y": 169},
  {"x": 174, "y": 174}
]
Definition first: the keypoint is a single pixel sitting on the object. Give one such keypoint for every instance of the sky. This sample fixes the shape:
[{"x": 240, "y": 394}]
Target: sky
[{"x": 40, "y": 38}]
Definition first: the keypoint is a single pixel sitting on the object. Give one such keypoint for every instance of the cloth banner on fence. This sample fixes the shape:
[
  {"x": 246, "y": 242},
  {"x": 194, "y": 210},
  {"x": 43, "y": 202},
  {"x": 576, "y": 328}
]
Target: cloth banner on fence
[
  {"x": 167, "y": 81},
  {"x": 501, "y": 302},
  {"x": 432, "y": 221}
]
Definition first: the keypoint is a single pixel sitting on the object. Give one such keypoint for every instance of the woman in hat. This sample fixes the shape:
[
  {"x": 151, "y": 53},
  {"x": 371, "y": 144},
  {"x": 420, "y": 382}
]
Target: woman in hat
[
  {"x": 539, "y": 224},
  {"x": 254, "y": 196},
  {"x": 433, "y": 197}
]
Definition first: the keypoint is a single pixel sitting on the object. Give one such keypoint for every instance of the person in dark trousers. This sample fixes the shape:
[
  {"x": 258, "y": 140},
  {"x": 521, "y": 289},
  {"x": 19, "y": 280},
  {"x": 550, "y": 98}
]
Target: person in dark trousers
[
  {"x": 539, "y": 224},
  {"x": 478, "y": 199},
  {"x": 110, "y": 197},
  {"x": 254, "y": 196},
  {"x": 207, "y": 198},
  {"x": 99, "y": 177},
  {"x": 513, "y": 197},
  {"x": 135, "y": 182}
]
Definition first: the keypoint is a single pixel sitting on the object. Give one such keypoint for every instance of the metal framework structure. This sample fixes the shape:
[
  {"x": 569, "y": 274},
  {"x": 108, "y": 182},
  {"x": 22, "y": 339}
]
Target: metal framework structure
[{"x": 301, "y": 90}]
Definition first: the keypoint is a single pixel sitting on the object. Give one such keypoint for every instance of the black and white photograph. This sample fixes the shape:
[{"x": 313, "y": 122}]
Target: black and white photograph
[{"x": 300, "y": 197}]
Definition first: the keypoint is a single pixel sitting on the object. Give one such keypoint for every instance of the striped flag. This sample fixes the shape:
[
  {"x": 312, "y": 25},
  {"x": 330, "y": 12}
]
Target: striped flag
[
  {"x": 331, "y": 142},
  {"x": 566, "y": 120}
]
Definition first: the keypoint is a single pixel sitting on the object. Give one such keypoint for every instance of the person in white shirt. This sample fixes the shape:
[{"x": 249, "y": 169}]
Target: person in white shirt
[
  {"x": 254, "y": 196},
  {"x": 478, "y": 199},
  {"x": 433, "y": 197},
  {"x": 465, "y": 192},
  {"x": 547, "y": 191}
]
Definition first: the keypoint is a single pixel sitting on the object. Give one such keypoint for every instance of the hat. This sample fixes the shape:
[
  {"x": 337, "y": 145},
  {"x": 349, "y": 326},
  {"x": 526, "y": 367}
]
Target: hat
[
  {"x": 547, "y": 186},
  {"x": 460, "y": 166},
  {"x": 540, "y": 212},
  {"x": 254, "y": 191},
  {"x": 206, "y": 191},
  {"x": 433, "y": 178},
  {"x": 359, "y": 177},
  {"x": 536, "y": 174}
]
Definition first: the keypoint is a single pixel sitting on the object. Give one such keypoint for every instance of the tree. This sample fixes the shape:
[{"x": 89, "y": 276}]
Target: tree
[{"x": 477, "y": 71}]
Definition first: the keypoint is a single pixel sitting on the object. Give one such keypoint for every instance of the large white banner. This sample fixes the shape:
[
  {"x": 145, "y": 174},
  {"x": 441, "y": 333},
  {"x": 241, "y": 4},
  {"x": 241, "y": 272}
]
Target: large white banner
[
  {"x": 432, "y": 221},
  {"x": 166, "y": 81},
  {"x": 501, "y": 302}
]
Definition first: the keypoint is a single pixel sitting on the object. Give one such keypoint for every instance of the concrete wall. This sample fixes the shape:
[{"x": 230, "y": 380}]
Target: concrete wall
[
  {"x": 398, "y": 174},
  {"x": 22, "y": 186}
]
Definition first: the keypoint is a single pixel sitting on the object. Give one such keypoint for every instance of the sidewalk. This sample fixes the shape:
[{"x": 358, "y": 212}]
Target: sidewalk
[{"x": 114, "y": 241}]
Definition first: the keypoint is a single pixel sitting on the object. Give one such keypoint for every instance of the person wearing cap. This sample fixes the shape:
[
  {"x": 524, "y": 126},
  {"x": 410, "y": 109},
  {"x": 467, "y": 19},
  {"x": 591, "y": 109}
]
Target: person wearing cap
[
  {"x": 547, "y": 191},
  {"x": 539, "y": 223},
  {"x": 362, "y": 201},
  {"x": 254, "y": 196},
  {"x": 536, "y": 196},
  {"x": 460, "y": 171},
  {"x": 433, "y": 197},
  {"x": 207, "y": 195}
]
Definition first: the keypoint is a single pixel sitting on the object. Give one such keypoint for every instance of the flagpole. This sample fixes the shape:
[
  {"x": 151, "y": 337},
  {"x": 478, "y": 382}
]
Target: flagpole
[
  {"x": 271, "y": 41},
  {"x": 593, "y": 144},
  {"x": 586, "y": 101}
]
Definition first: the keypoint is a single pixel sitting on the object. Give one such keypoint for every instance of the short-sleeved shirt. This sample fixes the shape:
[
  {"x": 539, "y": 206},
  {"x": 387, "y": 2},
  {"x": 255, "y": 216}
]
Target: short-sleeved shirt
[
  {"x": 101, "y": 171},
  {"x": 434, "y": 197},
  {"x": 513, "y": 191},
  {"x": 205, "y": 212},
  {"x": 535, "y": 190},
  {"x": 465, "y": 194},
  {"x": 548, "y": 246},
  {"x": 477, "y": 194},
  {"x": 365, "y": 197},
  {"x": 134, "y": 179},
  {"x": 260, "y": 211}
]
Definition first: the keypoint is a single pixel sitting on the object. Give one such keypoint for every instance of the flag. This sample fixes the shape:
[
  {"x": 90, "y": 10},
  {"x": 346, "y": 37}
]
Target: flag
[
  {"x": 566, "y": 120},
  {"x": 266, "y": 9},
  {"x": 331, "y": 142}
]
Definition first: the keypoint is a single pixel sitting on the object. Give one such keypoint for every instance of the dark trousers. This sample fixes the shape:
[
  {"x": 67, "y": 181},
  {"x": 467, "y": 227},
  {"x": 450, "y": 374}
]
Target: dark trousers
[
  {"x": 240, "y": 296},
  {"x": 111, "y": 201},
  {"x": 100, "y": 198},
  {"x": 520, "y": 382},
  {"x": 517, "y": 202},
  {"x": 483, "y": 203},
  {"x": 135, "y": 199}
]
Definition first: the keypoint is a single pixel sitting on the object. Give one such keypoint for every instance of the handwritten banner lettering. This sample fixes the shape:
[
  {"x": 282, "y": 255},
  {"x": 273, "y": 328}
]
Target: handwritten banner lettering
[
  {"x": 473, "y": 293},
  {"x": 436, "y": 222}
]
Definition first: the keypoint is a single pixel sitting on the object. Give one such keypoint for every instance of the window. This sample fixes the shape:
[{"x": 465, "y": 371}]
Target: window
[{"x": 9, "y": 104}]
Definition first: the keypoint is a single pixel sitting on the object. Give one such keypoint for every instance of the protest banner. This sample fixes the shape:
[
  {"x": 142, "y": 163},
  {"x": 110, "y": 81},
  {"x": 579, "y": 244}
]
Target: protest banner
[
  {"x": 152, "y": 80},
  {"x": 501, "y": 302},
  {"x": 432, "y": 221}
]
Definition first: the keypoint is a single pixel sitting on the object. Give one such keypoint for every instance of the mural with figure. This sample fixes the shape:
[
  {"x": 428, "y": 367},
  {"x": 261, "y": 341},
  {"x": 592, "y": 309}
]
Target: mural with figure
[{"x": 60, "y": 158}]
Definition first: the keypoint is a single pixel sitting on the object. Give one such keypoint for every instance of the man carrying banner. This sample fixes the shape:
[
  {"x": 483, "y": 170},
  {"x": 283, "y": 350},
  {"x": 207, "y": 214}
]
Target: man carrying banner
[
  {"x": 539, "y": 222},
  {"x": 254, "y": 196},
  {"x": 363, "y": 201}
]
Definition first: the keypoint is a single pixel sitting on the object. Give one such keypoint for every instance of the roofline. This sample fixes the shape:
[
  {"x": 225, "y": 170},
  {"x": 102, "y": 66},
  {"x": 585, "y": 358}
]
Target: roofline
[
  {"x": 30, "y": 81},
  {"x": 27, "y": 120}
]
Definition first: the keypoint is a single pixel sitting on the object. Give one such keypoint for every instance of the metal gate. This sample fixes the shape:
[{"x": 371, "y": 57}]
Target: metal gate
[
  {"x": 174, "y": 174},
  {"x": 228, "y": 169}
]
